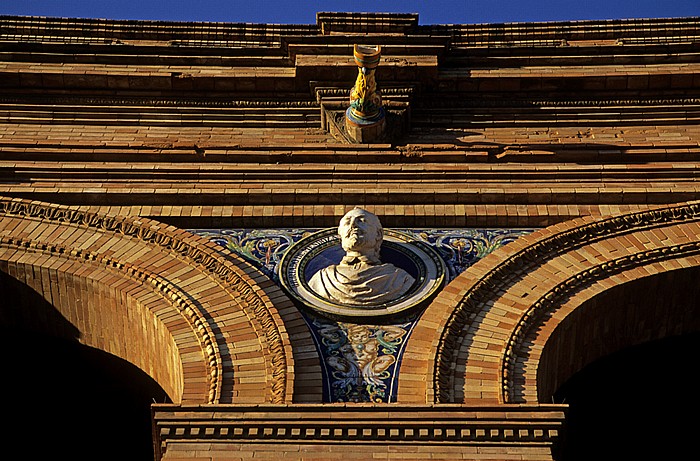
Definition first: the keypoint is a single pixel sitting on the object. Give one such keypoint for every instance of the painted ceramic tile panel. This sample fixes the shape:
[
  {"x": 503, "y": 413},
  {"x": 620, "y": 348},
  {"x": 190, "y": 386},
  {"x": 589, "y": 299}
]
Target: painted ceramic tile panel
[{"x": 361, "y": 361}]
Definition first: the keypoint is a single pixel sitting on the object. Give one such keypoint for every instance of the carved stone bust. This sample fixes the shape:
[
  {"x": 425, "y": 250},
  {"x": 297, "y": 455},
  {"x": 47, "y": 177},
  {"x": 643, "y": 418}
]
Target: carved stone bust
[{"x": 361, "y": 279}]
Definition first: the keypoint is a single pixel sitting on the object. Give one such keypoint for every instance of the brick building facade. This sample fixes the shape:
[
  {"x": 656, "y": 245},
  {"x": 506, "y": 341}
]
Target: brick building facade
[{"x": 119, "y": 138}]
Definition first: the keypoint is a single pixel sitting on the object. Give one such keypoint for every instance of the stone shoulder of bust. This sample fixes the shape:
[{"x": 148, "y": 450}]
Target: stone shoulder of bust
[{"x": 361, "y": 279}]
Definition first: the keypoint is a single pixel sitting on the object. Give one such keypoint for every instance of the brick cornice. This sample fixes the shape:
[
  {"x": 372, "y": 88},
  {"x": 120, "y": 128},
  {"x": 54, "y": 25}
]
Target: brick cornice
[
  {"x": 513, "y": 34},
  {"x": 140, "y": 102},
  {"x": 434, "y": 183},
  {"x": 358, "y": 424}
]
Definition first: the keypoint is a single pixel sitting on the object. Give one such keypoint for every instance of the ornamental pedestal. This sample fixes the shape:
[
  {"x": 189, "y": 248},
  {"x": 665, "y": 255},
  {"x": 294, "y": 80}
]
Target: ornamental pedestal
[
  {"x": 365, "y": 119},
  {"x": 365, "y": 133}
]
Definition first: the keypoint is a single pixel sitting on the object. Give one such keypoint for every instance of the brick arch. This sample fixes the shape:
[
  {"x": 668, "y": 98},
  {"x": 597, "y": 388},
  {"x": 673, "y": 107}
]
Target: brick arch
[
  {"x": 230, "y": 338},
  {"x": 638, "y": 307},
  {"x": 84, "y": 301},
  {"x": 474, "y": 343}
]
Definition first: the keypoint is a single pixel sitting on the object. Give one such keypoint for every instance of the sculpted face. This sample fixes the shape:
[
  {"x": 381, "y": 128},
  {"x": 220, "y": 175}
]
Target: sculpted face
[
  {"x": 360, "y": 231},
  {"x": 360, "y": 278},
  {"x": 358, "y": 334}
]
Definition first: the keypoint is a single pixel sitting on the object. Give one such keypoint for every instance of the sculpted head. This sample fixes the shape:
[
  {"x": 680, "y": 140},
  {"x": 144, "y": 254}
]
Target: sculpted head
[{"x": 361, "y": 233}]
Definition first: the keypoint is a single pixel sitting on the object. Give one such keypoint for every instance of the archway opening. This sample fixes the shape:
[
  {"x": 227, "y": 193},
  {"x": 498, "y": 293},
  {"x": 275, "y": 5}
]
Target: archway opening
[
  {"x": 638, "y": 403},
  {"x": 622, "y": 360},
  {"x": 61, "y": 398},
  {"x": 65, "y": 398}
]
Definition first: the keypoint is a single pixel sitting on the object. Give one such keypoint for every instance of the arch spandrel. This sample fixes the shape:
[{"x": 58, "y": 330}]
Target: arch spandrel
[
  {"x": 467, "y": 347},
  {"x": 195, "y": 290}
]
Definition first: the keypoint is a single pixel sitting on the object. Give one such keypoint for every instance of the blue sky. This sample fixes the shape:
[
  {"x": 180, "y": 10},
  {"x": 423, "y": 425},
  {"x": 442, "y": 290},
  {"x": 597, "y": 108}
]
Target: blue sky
[{"x": 304, "y": 11}]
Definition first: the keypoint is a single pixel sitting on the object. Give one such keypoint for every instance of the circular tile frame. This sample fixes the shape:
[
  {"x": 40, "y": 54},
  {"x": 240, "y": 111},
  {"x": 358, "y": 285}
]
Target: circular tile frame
[{"x": 302, "y": 260}]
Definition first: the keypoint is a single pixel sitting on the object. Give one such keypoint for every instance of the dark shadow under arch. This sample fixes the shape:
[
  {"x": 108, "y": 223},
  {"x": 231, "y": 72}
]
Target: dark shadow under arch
[
  {"x": 624, "y": 361},
  {"x": 68, "y": 400},
  {"x": 633, "y": 313},
  {"x": 23, "y": 308},
  {"x": 638, "y": 403},
  {"x": 61, "y": 398}
]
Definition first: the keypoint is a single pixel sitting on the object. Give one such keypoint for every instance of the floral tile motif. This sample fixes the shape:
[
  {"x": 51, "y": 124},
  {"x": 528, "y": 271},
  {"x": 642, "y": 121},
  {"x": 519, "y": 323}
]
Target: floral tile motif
[
  {"x": 361, "y": 361},
  {"x": 460, "y": 248},
  {"x": 262, "y": 247}
]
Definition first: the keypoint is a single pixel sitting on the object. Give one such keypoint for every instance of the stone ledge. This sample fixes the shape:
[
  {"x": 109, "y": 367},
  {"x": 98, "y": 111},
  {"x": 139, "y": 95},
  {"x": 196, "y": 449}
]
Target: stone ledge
[{"x": 379, "y": 425}]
